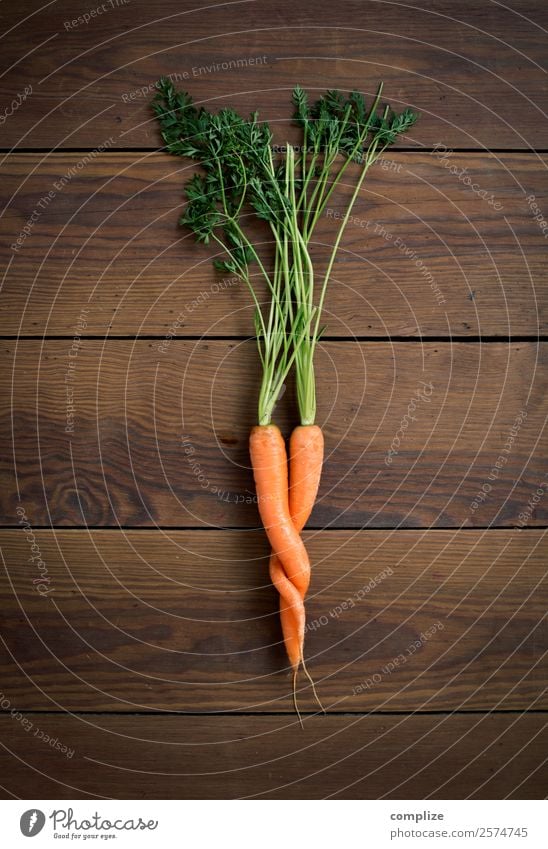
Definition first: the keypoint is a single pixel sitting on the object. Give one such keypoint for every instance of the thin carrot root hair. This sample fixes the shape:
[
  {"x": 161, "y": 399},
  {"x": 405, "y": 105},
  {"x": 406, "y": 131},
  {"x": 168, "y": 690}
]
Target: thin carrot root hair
[
  {"x": 308, "y": 675},
  {"x": 295, "y": 703}
]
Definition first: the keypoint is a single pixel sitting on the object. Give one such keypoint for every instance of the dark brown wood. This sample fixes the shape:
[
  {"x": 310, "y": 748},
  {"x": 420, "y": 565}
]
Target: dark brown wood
[
  {"x": 423, "y": 255},
  {"x": 146, "y": 620},
  {"x": 473, "y": 71},
  {"x": 341, "y": 757},
  {"x": 119, "y": 432},
  {"x": 428, "y": 646}
]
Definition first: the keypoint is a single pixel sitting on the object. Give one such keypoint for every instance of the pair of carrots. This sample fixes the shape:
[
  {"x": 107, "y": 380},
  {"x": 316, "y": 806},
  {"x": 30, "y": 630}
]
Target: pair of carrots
[
  {"x": 286, "y": 494},
  {"x": 242, "y": 178}
]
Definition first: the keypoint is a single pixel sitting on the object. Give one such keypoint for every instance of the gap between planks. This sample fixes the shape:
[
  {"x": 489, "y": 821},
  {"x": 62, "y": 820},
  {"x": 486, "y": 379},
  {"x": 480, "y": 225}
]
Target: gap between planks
[{"x": 475, "y": 340}]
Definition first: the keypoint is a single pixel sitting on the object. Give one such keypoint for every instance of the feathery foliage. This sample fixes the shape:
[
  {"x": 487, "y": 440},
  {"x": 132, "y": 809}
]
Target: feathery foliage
[{"x": 240, "y": 177}]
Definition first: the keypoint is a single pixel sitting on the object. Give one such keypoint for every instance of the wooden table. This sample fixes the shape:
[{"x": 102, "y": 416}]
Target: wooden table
[{"x": 150, "y": 664}]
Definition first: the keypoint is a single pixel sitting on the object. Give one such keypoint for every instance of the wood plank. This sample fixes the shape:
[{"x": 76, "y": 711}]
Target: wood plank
[
  {"x": 342, "y": 757},
  {"x": 118, "y": 432},
  {"x": 146, "y": 620},
  {"x": 423, "y": 255},
  {"x": 475, "y": 73}
]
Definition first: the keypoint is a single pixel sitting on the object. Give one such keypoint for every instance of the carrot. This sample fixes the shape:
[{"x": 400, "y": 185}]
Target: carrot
[
  {"x": 292, "y": 612},
  {"x": 289, "y": 563},
  {"x": 269, "y": 462},
  {"x": 306, "y": 447}
]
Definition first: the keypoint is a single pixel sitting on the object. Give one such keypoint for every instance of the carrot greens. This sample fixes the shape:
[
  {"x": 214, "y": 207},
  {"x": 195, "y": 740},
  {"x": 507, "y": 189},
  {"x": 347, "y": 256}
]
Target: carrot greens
[
  {"x": 336, "y": 132},
  {"x": 241, "y": 178}
]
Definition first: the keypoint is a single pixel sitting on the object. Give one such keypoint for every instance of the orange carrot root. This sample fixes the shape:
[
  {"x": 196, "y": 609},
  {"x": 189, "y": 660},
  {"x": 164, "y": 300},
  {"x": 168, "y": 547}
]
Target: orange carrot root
[
  {"x": 292, "y": 613},
  {"x": 284, "y": 512},
  {"x": 269, "y": 461},
  {"x": 306, "y": 448}
]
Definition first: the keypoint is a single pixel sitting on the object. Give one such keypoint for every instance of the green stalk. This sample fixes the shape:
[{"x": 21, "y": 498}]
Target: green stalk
[
  {"x": 240, "y": 173},
  {"x": 305, "y": 377},
  {"x": 367, "y": 165}
]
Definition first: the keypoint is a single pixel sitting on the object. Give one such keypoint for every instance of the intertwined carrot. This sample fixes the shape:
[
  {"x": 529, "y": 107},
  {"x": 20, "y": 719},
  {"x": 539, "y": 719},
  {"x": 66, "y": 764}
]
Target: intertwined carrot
[
  {"x": 269, "y": 461},
  {"x": 306, "y": 447}
]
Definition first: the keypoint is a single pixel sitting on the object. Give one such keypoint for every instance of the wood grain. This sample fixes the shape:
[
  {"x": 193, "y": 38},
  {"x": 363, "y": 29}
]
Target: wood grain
[
  {"x": 145, "y": 620},
  {"x": 474, "y": 72},
  {"x": 161, "y": 436},
  {"x": 151, "y": 653},
  {"x": 423, "y": 255},
  {"x": 341, "y": 757}
]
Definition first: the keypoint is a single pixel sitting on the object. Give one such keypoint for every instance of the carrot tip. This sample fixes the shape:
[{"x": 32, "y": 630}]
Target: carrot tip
[
  {"x": 306, "y": 672},
  {"x": 295, "y": 671}
]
